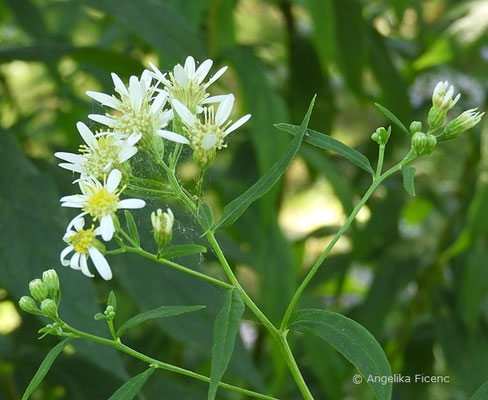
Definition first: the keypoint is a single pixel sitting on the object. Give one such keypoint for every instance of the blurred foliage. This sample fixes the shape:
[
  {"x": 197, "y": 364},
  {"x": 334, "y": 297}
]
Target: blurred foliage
[{"x": 412, "y": 269}]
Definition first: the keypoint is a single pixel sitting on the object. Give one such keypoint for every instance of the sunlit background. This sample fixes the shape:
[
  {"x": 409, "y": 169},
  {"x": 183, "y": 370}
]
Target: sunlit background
[{"x": 412, "y": 270}]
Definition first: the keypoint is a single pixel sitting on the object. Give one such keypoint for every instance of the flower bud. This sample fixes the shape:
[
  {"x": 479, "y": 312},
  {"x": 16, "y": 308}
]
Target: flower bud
[
  {"x": 423, "y": 143},
  {"x": 49, "y": 308},
  {"x": 458, "y": 125},
  {"x": 415, "y": 126},
  {"x": 442, "y": 96},
  {"x": 162, "y": 226},
  {"x": 381, "y": 135},
  {"x": 436, "y": 118},
  {"x": 204, "y": 158},
  {"x": 110, "y": 312},
  {"x": 28, "y": 304},
  {"x": 51, "y": 281},
  {"x": 38, "y": 289}
]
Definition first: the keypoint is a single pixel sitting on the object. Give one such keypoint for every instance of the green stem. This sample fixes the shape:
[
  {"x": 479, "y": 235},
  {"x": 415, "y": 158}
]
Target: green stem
[
  {"x": 376, "y": 182},
  {"x": 110, "y": 324},
  {"x": 159, "y": 364},
  {"x": 381, "y": 156}
]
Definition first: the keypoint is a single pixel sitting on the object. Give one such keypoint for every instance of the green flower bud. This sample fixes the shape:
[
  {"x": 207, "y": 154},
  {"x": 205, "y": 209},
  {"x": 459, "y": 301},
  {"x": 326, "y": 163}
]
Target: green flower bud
[
  {"x": 38, "y": 289},
  {"x": 51, "y": 281},
  {"x": 436, "y": 118},
  {"x": 460, "y": 124},
  {"x": 423, "y": 143},
  {"x": 28, "y": 304},
  {"x": 381, "y": 135},
  {"x": 162, "y": 226},
  {"x": 49, "y": 308},
  {"x": 415, "y": 126},
  {"x": 442, "y": 96},
  {"x": 204, "y": 158}
]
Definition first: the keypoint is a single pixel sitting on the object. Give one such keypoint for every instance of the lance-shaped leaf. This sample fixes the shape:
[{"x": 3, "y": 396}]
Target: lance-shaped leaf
[
  {"x": 392, "y": 117},
  {"x": 132, "y": 228},
  {"x": 326, "y": 142},
  {"x": 205, "y": 217},
  {"x": 408, "y": 174},
  {"x": 44, "y": 368},
  {"x": 236, "y": 207},
  {"x": 352, "y": 340},
  {"x": 160, "y": 312},
  {"x": 225, "y": 330},
  {"x": 181, "y": 250},
  {"x": 130, "y": 388},
  {"x": 481, "y": 393}
]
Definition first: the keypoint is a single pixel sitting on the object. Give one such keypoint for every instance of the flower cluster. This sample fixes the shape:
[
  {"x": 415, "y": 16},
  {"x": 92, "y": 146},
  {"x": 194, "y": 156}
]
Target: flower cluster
[{"x": 151, "y": 109}]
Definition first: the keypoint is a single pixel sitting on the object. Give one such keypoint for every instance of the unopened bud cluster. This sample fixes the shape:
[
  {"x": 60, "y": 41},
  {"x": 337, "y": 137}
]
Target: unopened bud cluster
[
  {"x": 381, "y": 135},
  {"x": 45, "y": 291},
  {"x": 162, "y": 226}
]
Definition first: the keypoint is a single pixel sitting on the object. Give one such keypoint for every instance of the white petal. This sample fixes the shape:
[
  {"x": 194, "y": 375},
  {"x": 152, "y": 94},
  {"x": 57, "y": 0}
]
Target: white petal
[
  {"x": 133, "y": 139},
  {"x": 79, "y": 223},
  {"x": 209, "y": 141},
  {"x": 113, "y": 180},
  {"x": 63, "y": 255},
  {"x": 126, "y": 153},
  {"x": 165, "y": 117},
  {"x": 107, "y": 227},
  {"x": 157, "y": 73},
  {"x": 185, "y": 114},
  {"x": 224, "y": 109},
  {"x": 119, "y": 85},
  {"x": 158, "y": 102},
  {"x": 190, "y": 66},
  {"x": 72, "y": 167},
  {"x": 70, "y": 157},
  {"x": 202, "y": 70},
  {"x": 84, "y": 266},
  {"x": 75, "y": 198},
  {"x": 100, "y": 263},
  {"x": 180, "y": 75},
  {"x": 74, "y": 262},
  {"x": 73, "y": 221},
  {"x": 131, "y": 203},
  {"x": 102, "y": 119},
  {"x": 104, "y": 99},
  {"x": 217, "y": 75},
  {"x": 87, "y": 135},
  {"x": 174, "y": 137},
  {"x": 146, "y": 78},
  {"x": 215, "y": 99},
  {"x": 241, "y": 121},
  {"x": 135, "y": 92}
]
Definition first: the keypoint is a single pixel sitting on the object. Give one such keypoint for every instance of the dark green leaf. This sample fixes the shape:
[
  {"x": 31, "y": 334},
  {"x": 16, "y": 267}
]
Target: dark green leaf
[
  {"x": 44, "y": 368},
  {"x": 236, "y": 207},
  {"x": 205, "y": 217},
  {"x": 181, "y": 250},
  {"x": 408, "y": 174},
  {"x": 225, "y": 330},
  {"x": 132, "y": 228},
  {"x": 481, "y": 393},
  {"x": 160, "y": 312},
  {"x": 352, "y": 340},
  {"x": 388, "y": 114},
  {"x": 326, "y": 142},
  {"x": 130, "y": 388}
]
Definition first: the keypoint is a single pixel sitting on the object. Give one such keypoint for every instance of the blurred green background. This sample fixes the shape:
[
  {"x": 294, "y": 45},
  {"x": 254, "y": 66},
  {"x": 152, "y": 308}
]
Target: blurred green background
[{"x": 413, "y": 270}]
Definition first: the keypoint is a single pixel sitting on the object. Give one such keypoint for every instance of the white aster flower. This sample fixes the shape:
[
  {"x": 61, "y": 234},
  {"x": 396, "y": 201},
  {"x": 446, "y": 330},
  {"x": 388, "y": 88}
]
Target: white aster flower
[
  {"x": 101, "y": 201},
  {"x": 82, "y": 242},
  {"x": 101, "y": 153},
  {"x": 442, "y": 96},
  {"x": 186, "y": 85},
  {"x": 138, "y": 110},
  {"x": 207, "y": 136}
]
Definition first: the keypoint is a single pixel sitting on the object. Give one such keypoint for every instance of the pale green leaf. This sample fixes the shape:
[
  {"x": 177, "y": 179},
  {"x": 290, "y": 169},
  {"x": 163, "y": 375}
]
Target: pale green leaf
[
  {"x": 44, "y": 368},
  {"x": 352, "y": 340},
  {"x": 481, "y": 393},
  {"x": 225, "y": 330},
  {"x": 236, "y": 208},
  {"x": 160, "y": 312},
  {"x": 388, "y": 114},
  {"x": 181, "y": 250},
  {"x": 132, "y": 228},
  {"x": 205, "y": 217},
  {"x": 130, "y": 388},
  {"x": 326, "y": 142},
  {"x": 408, "y": 174}
]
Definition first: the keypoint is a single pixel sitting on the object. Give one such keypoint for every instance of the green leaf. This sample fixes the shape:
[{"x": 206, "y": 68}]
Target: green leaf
[
  {"x": 352, "y": 340},
  {"x": 44, "y": 368},
  {"x": 205, "y": 217},
  {"x": 182, "y": 250},
  {"x": 236, "y": 207},
  {"x": 408, "y": 174},
  {"x": 130, "y": 388},
  {"x": 225, "y": 331},
  {"x": 132, "y": 228},
  {"x": 326, "y": 142},
  {"x": 160, "y": 312},
  {"x": 99, "y": 316},
  {"x": 388, "y": 114},
  {"x": 481, "y": 393},
  {"x": 112, "y": 301}
]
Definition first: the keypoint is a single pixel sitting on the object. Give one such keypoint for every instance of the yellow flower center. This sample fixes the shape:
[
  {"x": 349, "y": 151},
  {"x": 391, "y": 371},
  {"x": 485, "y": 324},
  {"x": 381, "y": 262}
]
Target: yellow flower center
[
  {"x": 191, "y": 96},
  {"x": 99, "y": 158},
  {"x": 83, "y": 240},
  {"x": 132, "y": 120},
  {"x": 101, "y": 202}
]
